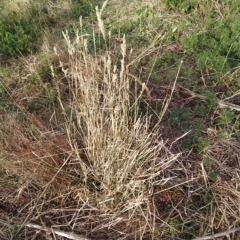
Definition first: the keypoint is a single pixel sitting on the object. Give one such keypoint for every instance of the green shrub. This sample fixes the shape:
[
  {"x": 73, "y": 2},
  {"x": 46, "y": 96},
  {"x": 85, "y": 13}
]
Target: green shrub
[
  {"x": 17, "y": 35},
  {"x": 21, "y": 31},
  {"x": 216, "y": 47}
]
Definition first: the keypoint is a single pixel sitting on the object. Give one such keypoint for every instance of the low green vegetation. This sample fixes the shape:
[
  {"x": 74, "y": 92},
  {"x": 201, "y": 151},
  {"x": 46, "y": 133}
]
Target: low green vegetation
[
  {"x": 216, "y": 47},
  {"x": 17, "y": 35},
  {"x": 84, "y": 8}
]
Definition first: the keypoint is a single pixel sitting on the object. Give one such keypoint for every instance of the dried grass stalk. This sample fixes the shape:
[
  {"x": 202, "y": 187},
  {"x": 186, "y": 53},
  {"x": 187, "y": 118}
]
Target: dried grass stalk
[
  {"x": 217, "y": 235},
  {"x": 68, "y": 235},
  {"x": 123, "y": 158}
]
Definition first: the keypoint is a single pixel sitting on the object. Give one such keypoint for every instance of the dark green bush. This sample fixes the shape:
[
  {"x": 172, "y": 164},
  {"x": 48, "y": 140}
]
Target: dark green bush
[
  {"x": 17, "y": 35},
  {"x": 217, "y": 47},
  {"x": 20, "y": 32}
]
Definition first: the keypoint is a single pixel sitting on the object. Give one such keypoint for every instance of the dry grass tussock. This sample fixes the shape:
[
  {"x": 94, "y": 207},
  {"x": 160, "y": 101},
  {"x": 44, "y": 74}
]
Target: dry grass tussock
[
  {"x": 222, "y": 161},
  {"x": 219, "y": 172},
  {"x": 94, "y": 165},
  {"x": 101, "y": 168},
  {"x": 119, "y": 160}
]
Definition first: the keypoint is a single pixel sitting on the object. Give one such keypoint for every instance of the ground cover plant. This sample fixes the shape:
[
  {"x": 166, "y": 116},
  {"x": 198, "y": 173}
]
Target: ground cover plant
[{"x": 119, "y": 120}]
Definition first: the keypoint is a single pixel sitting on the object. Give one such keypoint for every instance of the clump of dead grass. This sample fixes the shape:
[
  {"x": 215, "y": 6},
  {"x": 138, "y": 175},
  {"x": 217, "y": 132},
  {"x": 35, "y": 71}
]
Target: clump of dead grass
[
  {"x": 97, "y": 165},
  {"x": 101, "y": 167},
  {"x": 117, "y": 156},
  {"x": 222, "y": 156}
]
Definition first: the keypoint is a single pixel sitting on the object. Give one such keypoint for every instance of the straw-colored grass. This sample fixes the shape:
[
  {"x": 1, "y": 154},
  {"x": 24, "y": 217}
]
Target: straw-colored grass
[
  {"x": 87, "y": 152},
  {"x": 108, "y": 158},
  {"x": 118, "y": 158}
]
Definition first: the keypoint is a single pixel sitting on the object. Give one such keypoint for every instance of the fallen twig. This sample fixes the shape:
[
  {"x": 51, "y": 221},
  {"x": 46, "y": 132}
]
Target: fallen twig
[
  {"x": 213, "y": 236},
  {"x": 221, "y": 104},
  {"x": 68, "y": 235}
]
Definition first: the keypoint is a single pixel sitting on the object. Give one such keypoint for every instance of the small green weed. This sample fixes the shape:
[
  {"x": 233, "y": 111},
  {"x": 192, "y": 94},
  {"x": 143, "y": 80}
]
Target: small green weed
[
  {"x": 84, "y": 8},
  {"x": 195, "y": 138},
  {"x": 50, "y": 91},
  {"x": 37, "y": 105},
  {"x": 183, "y": 118},
  {"x": 42, "y": 71},
  {"x": 176, "y": 225},
  {"x": 226, "y": 117},
  {"x": 210, "y": 102},
  {"x": 185, "y": 6},
  {"x": 201, "y": 143},
  {"x": 209, "y": 166},
  {"x": 35, "y": 132},
  {"x": 200, "y": 110},
  {"x": 212, "y": 175},
  {"x": 165, "y": 60},
  {"x": 229, "y": 121},
  {"x": 180, "y": 117},
  {"x": 146, "y": 17}
]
